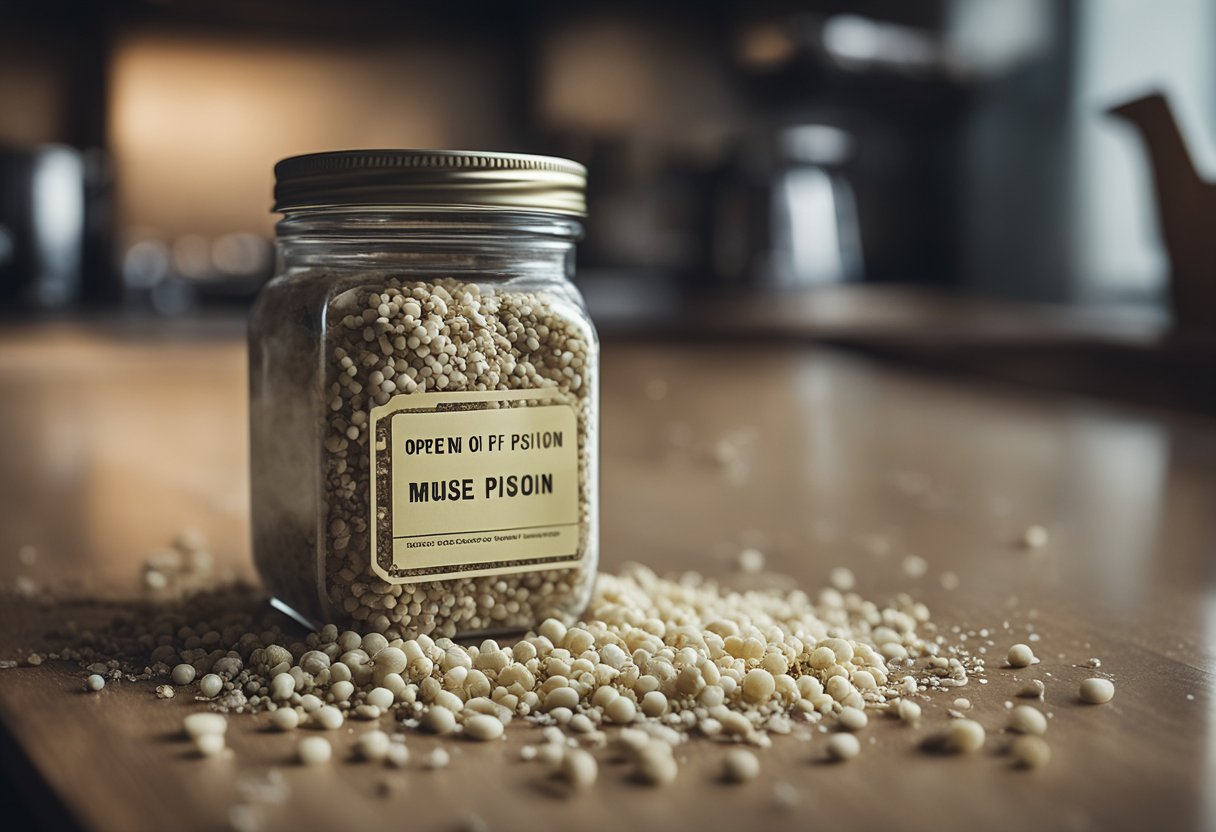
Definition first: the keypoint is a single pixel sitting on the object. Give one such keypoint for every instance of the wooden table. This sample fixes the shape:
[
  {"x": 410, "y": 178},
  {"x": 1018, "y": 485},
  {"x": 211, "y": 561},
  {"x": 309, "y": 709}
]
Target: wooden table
[{"x": 109, "y": 446}]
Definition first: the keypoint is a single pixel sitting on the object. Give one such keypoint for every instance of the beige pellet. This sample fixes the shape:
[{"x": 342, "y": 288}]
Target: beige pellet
[
  {"x": 740, "y": 765},
  {"x": 314, "y": 751},
  {"x": 964, "y": 736},
  {"x": 1097, "y": 691},
  {"x": 1024, "y": 719},
  {"x": 579, "y": 768},
  {"x": 1030, "y": 752}
]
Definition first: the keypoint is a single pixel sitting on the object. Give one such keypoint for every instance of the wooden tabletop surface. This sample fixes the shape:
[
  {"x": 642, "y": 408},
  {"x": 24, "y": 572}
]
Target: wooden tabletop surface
[{"x": 111, "y": 446}]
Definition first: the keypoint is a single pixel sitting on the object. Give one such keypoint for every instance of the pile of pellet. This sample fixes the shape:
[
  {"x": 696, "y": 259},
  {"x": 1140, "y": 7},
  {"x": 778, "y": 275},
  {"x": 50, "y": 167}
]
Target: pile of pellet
[{"x": 653, "y": 662}]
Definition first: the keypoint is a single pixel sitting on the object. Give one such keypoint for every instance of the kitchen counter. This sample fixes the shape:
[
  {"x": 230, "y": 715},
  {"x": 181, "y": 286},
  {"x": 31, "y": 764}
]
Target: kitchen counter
[{"x": 110, "y": 446}]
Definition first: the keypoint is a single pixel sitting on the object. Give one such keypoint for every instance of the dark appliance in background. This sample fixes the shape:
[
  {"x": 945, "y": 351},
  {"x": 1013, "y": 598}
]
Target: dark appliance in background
[
  {"x": 842, "y": 167},
  {"x": 54, "y": 227}
]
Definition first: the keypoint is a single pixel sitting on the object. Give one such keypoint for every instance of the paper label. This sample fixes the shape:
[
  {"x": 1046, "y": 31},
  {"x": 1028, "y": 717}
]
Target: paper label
[{"x": 474, "y": 483}]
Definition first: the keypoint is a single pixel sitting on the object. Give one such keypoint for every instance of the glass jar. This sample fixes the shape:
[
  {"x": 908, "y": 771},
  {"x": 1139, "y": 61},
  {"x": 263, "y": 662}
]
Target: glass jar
[{"x": 424, "y": 395}]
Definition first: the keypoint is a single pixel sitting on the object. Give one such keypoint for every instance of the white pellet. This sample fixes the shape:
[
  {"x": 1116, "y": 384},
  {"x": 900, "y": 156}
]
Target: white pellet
[
  {"x": 211, "y": 685},
  {"x": 1030, "y": 752},
  {"x": 95, "y": 682},
  {"x": 314, "y": 751},
  {"x": 1097, "y": 691},
  {"x": 740, "y": 765},
  {"x": 373, "y": 746},
  {"x": 579, "y": 769},
  {"x": 656, "y": 765},
  {"x": 1020, "y": 655},
  {"x": 909, "y": 711},
  {"x": 209, "y": 745},
  {"x": 1024, "y": 719},
  {"x": 483, "y": 728},
  {"x": 183, "y": 674},
  {"x": 381, "y": 698},
  {"x": 853, "y": 719},
  {"x": 843, "y": 746},
  {"x": 439, "y": 721},
  {"x": 204, "y": 722},
  {"x": 329, "y": 718},
  {"x": 964, "y": 736},
  {"x": 285, "y": 719}
]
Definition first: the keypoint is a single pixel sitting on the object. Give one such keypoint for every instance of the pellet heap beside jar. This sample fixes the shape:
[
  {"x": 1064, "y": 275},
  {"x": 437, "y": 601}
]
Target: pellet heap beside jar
[{"x": 424, "y": 412}]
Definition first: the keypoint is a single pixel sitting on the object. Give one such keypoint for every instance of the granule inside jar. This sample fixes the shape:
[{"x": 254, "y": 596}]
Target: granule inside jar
[{"x": 407, "y": 337}]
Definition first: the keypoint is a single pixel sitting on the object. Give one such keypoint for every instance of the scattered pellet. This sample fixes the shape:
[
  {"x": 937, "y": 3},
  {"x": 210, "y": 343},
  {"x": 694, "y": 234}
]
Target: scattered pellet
[
  {"x": 1097, "y": 691},
  {"x": 210, "y": 686},
  {"x": 483, "y": 728},
  {"x": 843, "y": 747},
  {"x": 1030, "y": 752},
  {"x": 1027, "y": 720},
  {"x": 853, "y": 719},
  {"x": 1094, "y": 663},
  {"x": 843, "y": 579},
  {"x": 751, "y": 561},
  {"x": 328, "y": 717},
  {"x": 656, "y": 765},
  {"x": 1035, "y": 537},
  {"x": 94, "y": 682},
  {"x": 1020, "y": 655},
  {"x": 183, "y": 674},
  {"x": 285, "y": 719},
  {"x": 314, "y": 751},
  {"x": 1034, "y": 689},
  {"x": 398, "y": 754},
  {"x": 908, "y": 710},
  {"x": 964, "y": 736},
  {"x": 164, "y": 691},
  {"x": 785, "y": 797},
  {"x": 204, "y": 722},
  {"x": 579, "y": 768},
  {"x": 437, "y": 759},
  {"x": 373, "y": 746},
  {"x": 209, "y": 745},
  {"x": 740, "y": 765}
]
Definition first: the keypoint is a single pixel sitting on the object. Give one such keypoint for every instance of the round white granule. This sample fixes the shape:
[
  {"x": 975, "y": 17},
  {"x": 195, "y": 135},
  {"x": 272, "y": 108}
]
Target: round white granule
[
  {"x": 843, "y": 746},
  {"x": 1030, "y": 752},
  {"x": 314, "y": 751},
  {"x": 621, "y": 710},
  {"x": 579, "y": 769},
  {"x": 853, "y": 719},
  {"x": 285, "y": 719},
  {"x": 95, "y": 682},
  {"x": 965, "y": 736},
  {"x": 438, "y": 758},
  {"x": 751, "y": 561},
  {"x": 740, "y": 765},
  {"x": 908, "y": 711},
  {"x": 329, "y": 718},
  {"x": 203, "y": 723},
  {"x": 381, "y": 698},
  {"x": 1020, "y": 655},
  {"x": 654, "y": 704},
  {"x": 398, "y": 755},
  {"x": 483, "y": 728},
  {"x": 209, "y": 745},
  {"x": 373, "y": 746},
  {"x": 1097, "y": 691},
  {"x": 439, "y": 721},
  {"x": 1024, "y": 719},
  {"x": 183, "y": 674},
  {"x": 656, "y": 765},
  {"x": 211, "y": 685},
  {"x": 1035, "y": 537}
]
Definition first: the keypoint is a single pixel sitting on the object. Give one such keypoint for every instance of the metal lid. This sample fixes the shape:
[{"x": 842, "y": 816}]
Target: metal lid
[{"x": 438, "y": 178}]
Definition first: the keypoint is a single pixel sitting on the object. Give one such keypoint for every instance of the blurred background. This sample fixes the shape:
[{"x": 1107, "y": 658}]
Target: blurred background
[{"x": 910, "y": 178}]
